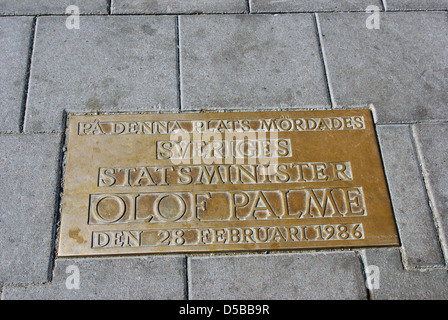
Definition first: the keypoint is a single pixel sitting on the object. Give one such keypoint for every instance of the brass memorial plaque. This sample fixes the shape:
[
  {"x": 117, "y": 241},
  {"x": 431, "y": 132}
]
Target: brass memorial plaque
[{"x": 207, "y": 182}]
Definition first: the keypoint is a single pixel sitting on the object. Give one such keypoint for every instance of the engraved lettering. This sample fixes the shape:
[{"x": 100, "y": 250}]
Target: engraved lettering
[
  {"x": 198, "y": 182},
  {"x": 116, "y": 239}
]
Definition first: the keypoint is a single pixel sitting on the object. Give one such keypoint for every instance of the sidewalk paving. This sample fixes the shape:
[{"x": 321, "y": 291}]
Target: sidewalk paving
[{"x": 136, "y": 55}]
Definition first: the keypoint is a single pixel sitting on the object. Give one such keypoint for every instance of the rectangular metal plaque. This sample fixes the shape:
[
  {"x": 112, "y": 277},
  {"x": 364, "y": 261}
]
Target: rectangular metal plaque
[{"x": 203, "y": 182}]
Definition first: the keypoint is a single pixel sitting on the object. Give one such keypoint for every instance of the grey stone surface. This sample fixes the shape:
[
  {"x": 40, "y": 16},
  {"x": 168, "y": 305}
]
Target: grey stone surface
[
  {"x": 28, "y": 185},
  {"x": 178, "y": 6},
  {"x": 311, "y": 5},
  {"x": 277, "y": 276},
  {"x": 417, "y": 4},
  {"x": 432, "y": 145},
  {"x": 397, "y": 283},
  {"x": 15, "y": 36},
  {"x": 112, "y": 63},
  {"x": 247, "y": 61},
  {"x": 129, "y": 62},
  {"x": 413, "y": 215},
  {"x": 33, "y": 7},
  {"x": 400, "y": 68},
  {"x": 114, "y": 278}
]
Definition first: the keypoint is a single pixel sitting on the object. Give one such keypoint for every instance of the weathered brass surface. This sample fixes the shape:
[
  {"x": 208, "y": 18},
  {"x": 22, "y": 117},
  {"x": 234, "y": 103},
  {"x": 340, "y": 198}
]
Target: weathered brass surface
[{"x": 207, "y": 182}]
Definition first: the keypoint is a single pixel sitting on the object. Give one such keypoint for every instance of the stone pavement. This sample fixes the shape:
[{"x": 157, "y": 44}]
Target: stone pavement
[{"x": 174, "y": 55}]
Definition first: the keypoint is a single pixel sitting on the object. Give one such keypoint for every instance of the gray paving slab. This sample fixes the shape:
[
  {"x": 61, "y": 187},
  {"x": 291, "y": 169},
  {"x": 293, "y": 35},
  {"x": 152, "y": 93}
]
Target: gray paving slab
[
  {"x": 311, "y": 5},
  {"x": 178, "y": 6},
  {"x": 409, "y": 200},
  {"x": 112, "y": 63},
  {"x": 145, "y": 278},
  {"x": 433, "y": 150},
  {"x": 396, "y": 283},
  {"x": 15, "y": 37},
  {"x": 34, "y": 7},
  {"x": 417, "y": 4},
  {"x": 277, "y": 276},
  {"x": 28, "y": 185},
  {"x": 250, "y": 61},
  {"x": 400, "y": 68}
]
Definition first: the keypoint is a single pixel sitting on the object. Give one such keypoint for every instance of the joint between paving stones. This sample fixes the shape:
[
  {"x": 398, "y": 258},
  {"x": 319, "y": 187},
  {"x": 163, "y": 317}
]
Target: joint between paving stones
[
  {"x": 402, "y": 250},
  {"x": 360, "y": 254},
  {"x": 248, "y": 6},
  {"x": 323, "y": 60},
  {"x": 411, "y": 122},
  {"x": 387, "y": 182},
  {"x": 425, "y": 188},
  {"x": 417, "y": 10},
  {"x": 24, "y": 285},
  {"x": 404, "y": 263},
  {"x": 407, "y": 267},
  {"x": 404, "y": 259},
  {"x": 58, "y": 203},
  {"x": 178, "y": 69},
  {"x": 28, "y": 133},
  {"x": 428, "y": 192},
  {"x": 443, "y": 10},
  {"x": 186, "y": 279},
  {"x": 27, "y": 74}
]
